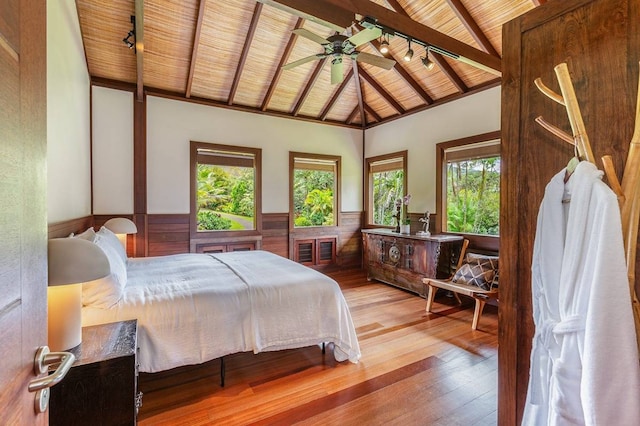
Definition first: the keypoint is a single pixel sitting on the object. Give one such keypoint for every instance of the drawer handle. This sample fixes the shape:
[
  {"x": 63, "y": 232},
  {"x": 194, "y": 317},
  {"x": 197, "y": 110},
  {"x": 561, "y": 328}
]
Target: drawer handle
[{"x": 138, "y": 400}]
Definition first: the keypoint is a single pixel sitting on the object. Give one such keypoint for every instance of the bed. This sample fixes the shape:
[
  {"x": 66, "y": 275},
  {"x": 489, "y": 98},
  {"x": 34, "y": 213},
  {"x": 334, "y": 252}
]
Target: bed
[{"x": 192, "y": 308}]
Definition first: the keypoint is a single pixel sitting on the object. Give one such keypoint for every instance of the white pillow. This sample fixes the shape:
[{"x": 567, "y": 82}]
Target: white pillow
[
  {"x": 106, "y": 292},
  {"x": 89, "y": 235},
  {"x": 113, "y": 241}
]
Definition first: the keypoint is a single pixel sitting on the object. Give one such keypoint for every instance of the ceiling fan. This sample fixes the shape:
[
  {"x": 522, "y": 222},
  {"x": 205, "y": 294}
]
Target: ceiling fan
[{"x": 338, "y": 45}]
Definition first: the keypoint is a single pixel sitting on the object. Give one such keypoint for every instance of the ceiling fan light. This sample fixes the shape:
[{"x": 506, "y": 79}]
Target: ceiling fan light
[
  {"x": 384, "y": 47},
  {"x": 408, "y": 55}
]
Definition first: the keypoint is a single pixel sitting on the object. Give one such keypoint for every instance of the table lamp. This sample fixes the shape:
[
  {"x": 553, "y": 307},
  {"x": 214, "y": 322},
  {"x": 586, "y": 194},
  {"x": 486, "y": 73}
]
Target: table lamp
[
  {"x": 72, "y": 261},
  {"x": 121, "y": 226}
]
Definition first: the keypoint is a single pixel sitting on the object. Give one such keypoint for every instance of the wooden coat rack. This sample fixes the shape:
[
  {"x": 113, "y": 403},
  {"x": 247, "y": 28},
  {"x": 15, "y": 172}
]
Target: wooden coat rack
[{"x": 628, "y": 192}]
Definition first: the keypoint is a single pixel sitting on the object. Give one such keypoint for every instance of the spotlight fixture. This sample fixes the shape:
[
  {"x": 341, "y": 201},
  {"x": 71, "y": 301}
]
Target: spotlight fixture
[
  {"x": 384, "y": 44},
  {"x": 384, "y": 47},
  {"x": 409, "y": 54},
  {"x": 428, "y": 63},
  {"x": 130, "y": 39}
]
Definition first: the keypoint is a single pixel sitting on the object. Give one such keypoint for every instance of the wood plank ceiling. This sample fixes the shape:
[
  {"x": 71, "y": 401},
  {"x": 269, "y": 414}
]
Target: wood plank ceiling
[{"x": 230, "y": 53}]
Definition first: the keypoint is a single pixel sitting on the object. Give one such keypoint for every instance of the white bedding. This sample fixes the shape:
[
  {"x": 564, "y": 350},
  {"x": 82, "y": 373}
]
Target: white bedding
[{"x": 192, "y": 308}]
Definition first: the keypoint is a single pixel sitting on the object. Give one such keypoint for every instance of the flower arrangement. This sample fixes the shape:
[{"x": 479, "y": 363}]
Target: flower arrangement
[
  {"x": 405, "y": 200},
  {"x": 399, "y": 203}
]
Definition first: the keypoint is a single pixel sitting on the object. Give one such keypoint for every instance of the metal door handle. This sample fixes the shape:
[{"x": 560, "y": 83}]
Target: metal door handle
[{"x": 41, "y": 364}]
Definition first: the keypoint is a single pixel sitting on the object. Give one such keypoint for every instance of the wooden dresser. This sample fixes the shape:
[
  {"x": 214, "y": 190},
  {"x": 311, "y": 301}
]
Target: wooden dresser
[
  {"x": 102, "y": 385},
  {"x": 403, "y": 260}
]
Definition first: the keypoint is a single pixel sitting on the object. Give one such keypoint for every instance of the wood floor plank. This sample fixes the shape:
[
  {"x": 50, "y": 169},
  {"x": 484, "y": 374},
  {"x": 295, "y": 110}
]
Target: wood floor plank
[{"x": 416, "y": 368}]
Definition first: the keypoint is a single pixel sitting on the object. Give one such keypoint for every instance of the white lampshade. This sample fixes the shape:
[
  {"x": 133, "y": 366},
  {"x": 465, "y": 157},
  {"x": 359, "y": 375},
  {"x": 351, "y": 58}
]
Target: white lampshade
[
  {"x": 72, "y": 261},
  {"x": 121, "y": 226}
]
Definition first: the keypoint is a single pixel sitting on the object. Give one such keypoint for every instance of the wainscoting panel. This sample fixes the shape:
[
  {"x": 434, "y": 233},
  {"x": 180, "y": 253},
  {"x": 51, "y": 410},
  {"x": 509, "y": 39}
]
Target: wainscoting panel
[
  {"x": 64, "y": 228},
  {"x": 168, "y": 234}
]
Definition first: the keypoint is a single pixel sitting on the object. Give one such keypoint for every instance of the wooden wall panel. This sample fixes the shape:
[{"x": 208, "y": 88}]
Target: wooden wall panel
[
  {"x": 275, "y": 233},
  {"x": 349, "y": 253},
  {"x": 168, "y": 234},
  {"x": 599, "y": 41},
  {"x": 64, "y": 228}
]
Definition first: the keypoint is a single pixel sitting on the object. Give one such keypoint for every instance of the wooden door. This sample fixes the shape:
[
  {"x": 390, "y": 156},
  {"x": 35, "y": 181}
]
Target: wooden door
[
  {"x": 600, "y": 42},
  {"x": 23, "y": 229}
]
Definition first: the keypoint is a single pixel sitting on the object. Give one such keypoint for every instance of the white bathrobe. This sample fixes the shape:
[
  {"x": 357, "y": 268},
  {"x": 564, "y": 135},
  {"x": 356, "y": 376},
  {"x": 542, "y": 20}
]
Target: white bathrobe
[{"x": 584, "y": 362}]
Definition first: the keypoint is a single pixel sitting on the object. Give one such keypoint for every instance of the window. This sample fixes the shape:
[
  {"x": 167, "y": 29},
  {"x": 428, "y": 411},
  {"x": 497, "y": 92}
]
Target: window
[
  {"x": 470, "y": 185},
  {"x": 385, "y": 183},
  {"x": 315, "y": 195},
  {"x": 225, "y": 191}
]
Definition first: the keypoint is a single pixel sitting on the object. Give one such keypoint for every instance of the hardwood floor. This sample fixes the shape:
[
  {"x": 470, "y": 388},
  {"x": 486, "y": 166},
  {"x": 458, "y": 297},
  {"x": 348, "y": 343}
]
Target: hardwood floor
[{"x": 416, "y": 369}]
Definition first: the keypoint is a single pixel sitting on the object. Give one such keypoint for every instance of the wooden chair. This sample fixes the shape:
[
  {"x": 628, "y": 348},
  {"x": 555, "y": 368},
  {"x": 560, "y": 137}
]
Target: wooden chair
[{"x": 481, "y": 296}]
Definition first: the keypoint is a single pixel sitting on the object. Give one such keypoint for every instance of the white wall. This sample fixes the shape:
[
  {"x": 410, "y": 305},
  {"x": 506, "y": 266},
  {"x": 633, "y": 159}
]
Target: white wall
[
  {"x": 419, "y": 133},
  {"x": 171, "y": 125},
  {"x": 112, "y": 151},
  {"x": 68, "y": 123}
]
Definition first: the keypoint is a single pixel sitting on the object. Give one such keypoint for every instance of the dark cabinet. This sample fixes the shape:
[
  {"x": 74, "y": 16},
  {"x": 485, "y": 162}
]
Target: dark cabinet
[
  {"x": 403, "y": 260},
  {"x": 101, "y": 386}
]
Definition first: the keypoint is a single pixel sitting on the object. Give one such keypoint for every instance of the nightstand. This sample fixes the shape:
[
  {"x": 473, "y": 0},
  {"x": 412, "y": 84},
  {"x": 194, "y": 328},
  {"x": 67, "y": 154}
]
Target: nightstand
[{"x": 102, "y": 385}]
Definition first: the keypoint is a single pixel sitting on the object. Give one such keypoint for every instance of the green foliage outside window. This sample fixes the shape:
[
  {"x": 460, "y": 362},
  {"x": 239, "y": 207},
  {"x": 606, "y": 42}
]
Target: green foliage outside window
[
  {"x": 225, "y": 197},
  {"x": 473, "y": 196},
  {"x": 387, "y": 188},
  {"x": 313, "y": 197}
]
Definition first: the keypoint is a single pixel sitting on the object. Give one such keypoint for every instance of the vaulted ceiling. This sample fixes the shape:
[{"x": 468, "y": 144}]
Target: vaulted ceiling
[{"x": 231, "y": 53}]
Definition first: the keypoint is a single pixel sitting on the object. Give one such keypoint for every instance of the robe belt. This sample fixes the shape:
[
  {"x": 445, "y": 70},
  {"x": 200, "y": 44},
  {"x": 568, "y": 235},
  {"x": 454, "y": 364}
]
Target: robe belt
[{"x": 546, "y": 338}]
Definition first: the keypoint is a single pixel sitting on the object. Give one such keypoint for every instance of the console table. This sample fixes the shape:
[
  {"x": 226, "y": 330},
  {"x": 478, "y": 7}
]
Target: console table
[{"x": 403, "y": 260}]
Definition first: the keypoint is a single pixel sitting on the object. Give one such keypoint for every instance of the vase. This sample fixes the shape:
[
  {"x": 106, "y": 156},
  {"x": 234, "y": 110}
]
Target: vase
[{"x": 405, "y": 229}]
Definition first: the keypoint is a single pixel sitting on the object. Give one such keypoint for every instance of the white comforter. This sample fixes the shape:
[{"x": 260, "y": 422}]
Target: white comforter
[{"x": 192, "y": 308}]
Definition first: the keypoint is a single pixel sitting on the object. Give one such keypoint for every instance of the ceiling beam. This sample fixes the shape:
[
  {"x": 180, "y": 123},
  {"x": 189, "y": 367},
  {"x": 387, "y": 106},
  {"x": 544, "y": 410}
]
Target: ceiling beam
[
  {"x": 372, "y": 112},
  {"x": 353, "y": 114},
  {"x": 245, "y": 51},
  {"x": 400, "y": 69},
  {"x": 442, "y": 63},
  {"x": 386, "y": 95},
  {"x": 538, "y": 2},
  {"x": 309, "y": 86},
  {"x": 336, "y": 95},
  {"x": 356, "y": 76},
  {"x": 397, "y": 7},
  {"x": 283, "y": 60},
  {"x": 332, "y": 9},
  {"x": 336, "y": 19},
  {"x": 194, "y": 50},
  {"x": 139, "y": 21},
  {"x": 472, "y": 26},
  {"x": 449, "y": 72}
]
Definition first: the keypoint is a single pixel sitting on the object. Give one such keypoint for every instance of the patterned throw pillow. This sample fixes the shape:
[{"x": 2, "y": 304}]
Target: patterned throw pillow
[{"x": 478, "y": 271}]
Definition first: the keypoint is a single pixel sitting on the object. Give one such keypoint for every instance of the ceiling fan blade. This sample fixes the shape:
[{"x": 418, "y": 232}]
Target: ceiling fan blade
[
  {"x": 364, "y": 36},
  {"x": 311, "y": 36},
  {"x": 303, "y": 61},
  {"x": 378, "y": 61},
  {"x": 336, "y": 71}
]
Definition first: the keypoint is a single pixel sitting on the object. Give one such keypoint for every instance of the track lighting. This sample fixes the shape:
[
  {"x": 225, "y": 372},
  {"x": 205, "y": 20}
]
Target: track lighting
[
  {"x": 384, "y": 44},
  {"x": 426, "y": 62},
  {"x": 409, "y": 54},
  {"x": 384, "y": 47},
  {"x": 130, "y": 39}
]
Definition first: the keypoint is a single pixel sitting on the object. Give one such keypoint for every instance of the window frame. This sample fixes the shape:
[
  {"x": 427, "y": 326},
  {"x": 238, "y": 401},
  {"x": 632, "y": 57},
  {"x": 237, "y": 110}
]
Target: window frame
[
  {"x": 193, "y": 211},
  {"x": 483, "y": 242},
  {"x": 368, "y": 181},
  {"x": 336, "y": 196}
]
